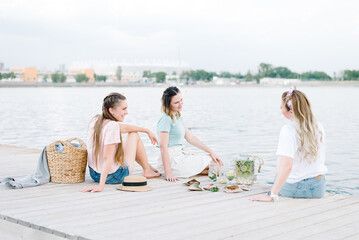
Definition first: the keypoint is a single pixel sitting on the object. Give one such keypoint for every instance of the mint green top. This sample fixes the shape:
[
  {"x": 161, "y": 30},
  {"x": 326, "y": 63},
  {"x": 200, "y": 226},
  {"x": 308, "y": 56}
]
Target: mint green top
[{"x": 176, "y": 130}]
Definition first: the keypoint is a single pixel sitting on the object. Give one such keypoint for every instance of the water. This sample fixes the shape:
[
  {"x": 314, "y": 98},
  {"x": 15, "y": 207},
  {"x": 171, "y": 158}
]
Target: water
[{"x": 229, "y": 120}]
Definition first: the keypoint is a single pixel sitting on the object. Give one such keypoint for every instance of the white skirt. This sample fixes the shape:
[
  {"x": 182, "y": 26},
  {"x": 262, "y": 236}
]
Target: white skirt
[{"x": 184, "y": 164}]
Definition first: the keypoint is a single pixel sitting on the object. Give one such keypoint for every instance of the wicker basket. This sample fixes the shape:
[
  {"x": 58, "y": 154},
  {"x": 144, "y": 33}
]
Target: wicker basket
[{"x": 69, "y": 166}]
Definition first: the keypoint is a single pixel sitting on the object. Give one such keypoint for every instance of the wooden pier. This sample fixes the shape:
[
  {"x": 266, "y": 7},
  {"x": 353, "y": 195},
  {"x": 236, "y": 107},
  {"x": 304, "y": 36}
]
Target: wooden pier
[{"x": 169, "y": 211}]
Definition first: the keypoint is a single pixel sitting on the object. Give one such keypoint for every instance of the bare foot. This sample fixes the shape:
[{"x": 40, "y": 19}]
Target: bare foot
[
  {"x": 151, "y": 174},
  {"x": 153, "y": 169}
]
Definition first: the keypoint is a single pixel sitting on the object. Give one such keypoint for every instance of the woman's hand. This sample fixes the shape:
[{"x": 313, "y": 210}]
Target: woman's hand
[
  {"x": 261, "y": 198},
  {"x": 171, "y": 178},
  {"x": 152, "y": 137},
  {"x": 93, "y": 189},
  {"x": 216, "y": 159}
]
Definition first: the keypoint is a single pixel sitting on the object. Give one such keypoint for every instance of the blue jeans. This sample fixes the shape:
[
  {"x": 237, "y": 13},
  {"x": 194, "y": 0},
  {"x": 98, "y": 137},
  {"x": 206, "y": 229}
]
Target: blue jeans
[
  {"x": 307, "y": 188},
  {"x": 113, "y": 178}
]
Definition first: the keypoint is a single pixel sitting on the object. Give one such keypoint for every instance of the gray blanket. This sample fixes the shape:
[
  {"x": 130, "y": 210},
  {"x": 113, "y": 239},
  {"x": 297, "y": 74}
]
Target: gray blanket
[{"x": 41, "y": 176}]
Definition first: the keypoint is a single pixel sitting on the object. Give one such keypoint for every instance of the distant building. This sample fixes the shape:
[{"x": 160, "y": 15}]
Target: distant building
[
  {"x": 131, "y": 72},
  {"x": 225, "y": 81},
  {"x": 1, "y": 66},
  {"x": 131, "y": 76},
  {"x": 88, "y": 72},
  {"x": 279, "y": 81},
  {"x": 62, "y": 68},
  {"x": 172, "y": 78},
  {"x": 25, "y": 74}
]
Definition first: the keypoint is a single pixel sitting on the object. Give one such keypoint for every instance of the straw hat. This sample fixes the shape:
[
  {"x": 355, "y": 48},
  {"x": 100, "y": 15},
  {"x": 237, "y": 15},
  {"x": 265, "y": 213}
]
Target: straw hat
[{"x": 135, "y": 184}]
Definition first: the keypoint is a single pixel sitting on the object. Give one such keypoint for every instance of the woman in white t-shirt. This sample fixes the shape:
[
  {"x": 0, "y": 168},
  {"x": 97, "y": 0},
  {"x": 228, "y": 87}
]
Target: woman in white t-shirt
[
  {"x": 109, "y": 159},
  {"x": 301, "y": 152}
]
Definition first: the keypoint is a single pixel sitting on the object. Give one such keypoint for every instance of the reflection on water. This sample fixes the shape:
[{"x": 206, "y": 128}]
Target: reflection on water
[{"x": 229, "y": 120}]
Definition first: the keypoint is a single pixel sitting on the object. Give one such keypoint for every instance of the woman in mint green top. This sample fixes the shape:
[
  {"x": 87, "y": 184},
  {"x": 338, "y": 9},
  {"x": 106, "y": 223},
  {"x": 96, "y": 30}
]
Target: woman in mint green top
[
  {"x": 175, "y": 130},
  {"x": 173, "y": 161}
]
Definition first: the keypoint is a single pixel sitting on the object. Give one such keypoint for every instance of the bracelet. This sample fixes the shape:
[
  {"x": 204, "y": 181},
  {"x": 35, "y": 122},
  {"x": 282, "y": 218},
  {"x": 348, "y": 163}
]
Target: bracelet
[{"x": 272, "y": 195}]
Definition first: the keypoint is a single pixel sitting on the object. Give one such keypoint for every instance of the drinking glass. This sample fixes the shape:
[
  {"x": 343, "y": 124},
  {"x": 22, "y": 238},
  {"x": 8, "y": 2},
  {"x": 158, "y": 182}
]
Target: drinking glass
[
  {"x": 230, "y": 175},
  {"x": 222, "y": 175},
  {"x": 213, "y": 172}
]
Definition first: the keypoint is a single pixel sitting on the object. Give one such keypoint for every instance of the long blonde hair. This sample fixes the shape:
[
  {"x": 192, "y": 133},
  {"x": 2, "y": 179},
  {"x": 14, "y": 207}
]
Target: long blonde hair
[
  {"x": 308, "y": 133},
  {"x": 110, "y": 101}
]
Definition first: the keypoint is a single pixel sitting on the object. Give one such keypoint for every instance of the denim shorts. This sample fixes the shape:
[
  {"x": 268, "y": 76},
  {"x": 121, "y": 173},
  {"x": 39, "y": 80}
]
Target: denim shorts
[
  {"x": 307, "y": 188},
  {"x": 113, "y": 178}
]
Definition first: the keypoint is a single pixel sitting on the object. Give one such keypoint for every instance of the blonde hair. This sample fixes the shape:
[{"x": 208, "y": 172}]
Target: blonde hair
[
  {"x": 110, "y": 101},
  {"x": 308, "y": 133},
  {"x": 166, "y": 102}
]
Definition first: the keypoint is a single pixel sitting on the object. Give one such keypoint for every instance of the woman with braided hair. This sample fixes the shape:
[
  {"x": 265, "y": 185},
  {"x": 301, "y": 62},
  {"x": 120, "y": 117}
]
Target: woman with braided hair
[
  {"x": 110, "y": 159},
  {"x": 301, "y": 152}
]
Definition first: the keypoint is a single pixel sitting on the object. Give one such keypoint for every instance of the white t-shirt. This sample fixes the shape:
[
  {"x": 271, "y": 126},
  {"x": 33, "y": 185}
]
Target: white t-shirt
[
  {"x": 110, "y": 134},
  {"x": 288, "y": 146}
]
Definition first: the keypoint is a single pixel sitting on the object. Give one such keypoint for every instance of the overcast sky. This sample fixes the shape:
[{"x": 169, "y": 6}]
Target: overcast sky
[{"x": 221, "y": 35}]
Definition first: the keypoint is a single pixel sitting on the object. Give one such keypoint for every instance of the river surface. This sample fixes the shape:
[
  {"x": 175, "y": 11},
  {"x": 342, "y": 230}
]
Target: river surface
[{"x": 230, "y": 120}]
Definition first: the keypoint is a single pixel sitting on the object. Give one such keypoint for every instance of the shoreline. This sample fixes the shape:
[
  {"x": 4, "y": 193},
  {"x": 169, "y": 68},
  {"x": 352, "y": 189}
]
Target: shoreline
[{"x": 123, "y": 84}]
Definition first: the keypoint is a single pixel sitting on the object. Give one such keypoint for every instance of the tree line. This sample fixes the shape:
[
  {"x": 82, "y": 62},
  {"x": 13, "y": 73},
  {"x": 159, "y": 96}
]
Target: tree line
[
  {"x": 267, "y": 70},
  {"x": 60, "y": 78},
  {"x": 264, "y": 70},
  {"x": 351, "y": 75},
  {"x": 10, "y": 75},
  {"x": 160, "y": 76}
]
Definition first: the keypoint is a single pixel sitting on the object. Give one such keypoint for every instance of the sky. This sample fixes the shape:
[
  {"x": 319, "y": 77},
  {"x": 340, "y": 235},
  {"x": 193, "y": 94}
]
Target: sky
[{"x": 226, "y": 35}]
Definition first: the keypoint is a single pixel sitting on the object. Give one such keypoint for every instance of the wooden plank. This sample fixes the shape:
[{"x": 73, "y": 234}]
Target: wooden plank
[
  {"x": 347, "y": 231},
  {"x": 151, "y": 209},
  {"x": 337, "y": 227},
  {"x": 251, "y": 218},
  {"x": 239, "y": 220},
  {"x": 293, "y": 223},
  {"x": 53, "y": 189},
  {"x": 123, "y": 197},
  {"x": 45, "y": 189},
  {"x": 190, "y": 220},
  {"x": 77, "y": 198},
  {"x": 148, "y": 207},
  {"x": 354, "y": 235},
  {"x": 180, "y": 221},
  {"x": 167, "y": 212},
  {"x": 64, "y": 193},
  {"x": 13, "y": 231}
]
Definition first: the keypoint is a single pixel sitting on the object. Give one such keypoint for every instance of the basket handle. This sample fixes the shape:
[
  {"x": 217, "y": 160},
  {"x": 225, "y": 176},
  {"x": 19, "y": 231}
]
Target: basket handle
[
  {"x": 52, "y": 145},
  {"x": 260, "y": 160},
  {"x": 82, "y": 143}
]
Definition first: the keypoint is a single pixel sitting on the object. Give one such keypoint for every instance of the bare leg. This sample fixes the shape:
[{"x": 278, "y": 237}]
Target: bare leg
[
  {"x": 129, "y": 150},
  {"x": 135, "y": 151},
  {"x": 141, "y": 156}
]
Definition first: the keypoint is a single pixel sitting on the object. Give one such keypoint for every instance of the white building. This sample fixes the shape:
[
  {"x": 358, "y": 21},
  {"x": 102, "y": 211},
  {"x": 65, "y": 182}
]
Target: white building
[
  {"x": 224, "y": 81},
  {"x": 279, "y": 81}
]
